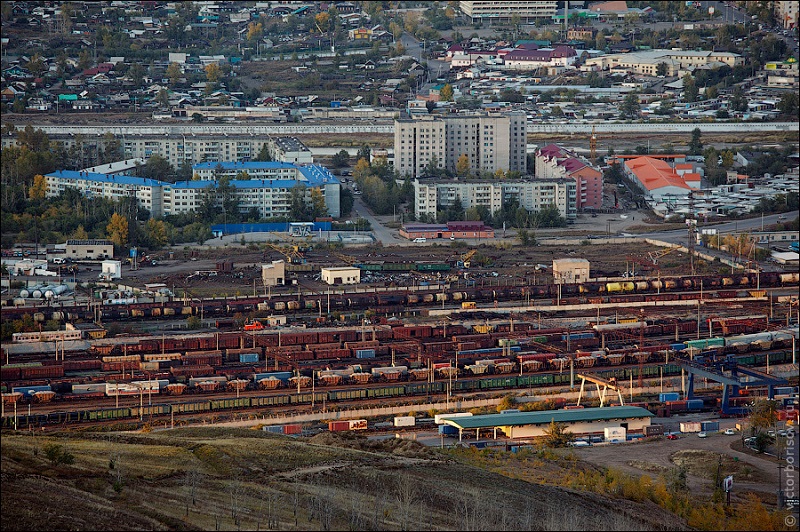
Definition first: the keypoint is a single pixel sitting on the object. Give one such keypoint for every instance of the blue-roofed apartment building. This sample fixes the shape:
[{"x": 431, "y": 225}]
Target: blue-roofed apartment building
[
  {"x": 268, "y": 190},
  {"x": 148, "y": 192}
]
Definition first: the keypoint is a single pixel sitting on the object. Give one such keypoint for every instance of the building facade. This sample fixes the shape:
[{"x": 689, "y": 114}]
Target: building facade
[
  {"x": 646, "y": 62},
  {"x": 268, "y": 190},
  {"x": 490, "y": 142},
  {"x": 534, "y": 195},
  {"x": 490, "y": 11},
  {"x": 555, "y": 162}
]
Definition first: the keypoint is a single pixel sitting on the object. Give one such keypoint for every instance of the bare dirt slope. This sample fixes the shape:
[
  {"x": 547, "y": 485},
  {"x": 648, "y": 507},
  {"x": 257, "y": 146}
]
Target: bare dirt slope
[{"x": 206, "y": 479}]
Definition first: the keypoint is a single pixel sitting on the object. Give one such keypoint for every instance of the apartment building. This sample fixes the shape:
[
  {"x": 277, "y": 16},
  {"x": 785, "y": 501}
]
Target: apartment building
[
  {"x": 268, "y": 190},
  {"x": 645, "y": 62},
  {"x": 491, "y": 11},
  {"x": 490, "y": 141},
  {"x": 189, "y": 149},
  {"x": 534, "y": 195},
  {"x": 148, "y": 192},
  {"x": 554, "y": 162}
]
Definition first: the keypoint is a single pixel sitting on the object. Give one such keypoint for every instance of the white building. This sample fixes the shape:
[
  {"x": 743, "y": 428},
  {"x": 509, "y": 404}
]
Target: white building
[
  {"x": 646, "y": 62},
  {"x": 534, "y": 195},
  {"x": 341, "y": 275},
  {"x": 490, "y": 141},
  {"x": 567, "y": 271},
  {"x": 490, "y": 11}
]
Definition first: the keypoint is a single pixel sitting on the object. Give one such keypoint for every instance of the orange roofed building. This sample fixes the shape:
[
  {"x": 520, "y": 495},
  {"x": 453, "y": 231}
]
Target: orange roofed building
[{"x": 658, "y": 179}]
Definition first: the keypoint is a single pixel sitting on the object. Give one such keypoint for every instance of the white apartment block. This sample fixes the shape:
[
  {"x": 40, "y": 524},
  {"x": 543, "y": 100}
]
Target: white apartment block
[
  {"x": 491, "y": 11},
  {"x": 191, "y": 149},
  {"x": 148, "y": 192},
  {"x": 646, "y": 62},
  {"x": 491, "y": 142},
  {"x": 431, "y": 196}
]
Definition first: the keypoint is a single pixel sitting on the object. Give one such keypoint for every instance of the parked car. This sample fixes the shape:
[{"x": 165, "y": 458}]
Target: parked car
[
  {"x": 672, "y": 436},
  {"x": 730, "y": 432},
  {"x": 702, "y": 435}
]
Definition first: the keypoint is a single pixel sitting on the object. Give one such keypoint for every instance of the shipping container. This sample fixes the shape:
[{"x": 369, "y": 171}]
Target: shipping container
[
  {"x": 365, "y": 353},
  {"x": 671, "y": 396},
  {"x": 689, "y": 427},
  {"x": 405, "y": 421},
  {"x": 248, "y": 358},
  {"x": 447, "y": 429},
  {"x": 653, "y": 430},
  {"x": 709, "y": 426},
  {"x": 614, "y": 434}
]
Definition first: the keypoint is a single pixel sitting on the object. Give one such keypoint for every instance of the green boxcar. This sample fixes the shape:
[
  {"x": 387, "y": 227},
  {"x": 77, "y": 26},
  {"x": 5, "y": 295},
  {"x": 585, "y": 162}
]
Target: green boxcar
[
  {"x": 346, "y": 395},
  {"x": 498, "y": 382},
  {"x": 270, "y": 400},
  {"x": 386, "y": 391}
]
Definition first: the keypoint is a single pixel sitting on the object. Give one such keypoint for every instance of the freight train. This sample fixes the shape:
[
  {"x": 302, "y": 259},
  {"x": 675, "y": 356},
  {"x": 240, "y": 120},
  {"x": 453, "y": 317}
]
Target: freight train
[
  {"x": 289, "y": 397},
  {"x": 391, "y": 302}
]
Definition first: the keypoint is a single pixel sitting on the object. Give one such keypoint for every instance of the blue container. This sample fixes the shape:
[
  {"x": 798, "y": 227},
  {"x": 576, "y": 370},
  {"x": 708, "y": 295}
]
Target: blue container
[
  {"x": 365, "y": 353},
  {"x": 671, "y": 396},
  {"x": 677, "y": 347},
  {"x": 28, "y": 391},
  {"x": 281, "y": 375},
  {"x": 447, "y": 429},
  {"x": 248, "y": 358},
  {"x": 694, "y": 404},
  {"x": 710, "y": 426},
  {"x": 274, "y": 429}
]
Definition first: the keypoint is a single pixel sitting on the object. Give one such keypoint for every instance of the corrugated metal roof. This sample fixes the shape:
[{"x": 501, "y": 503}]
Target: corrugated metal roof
[{"x": 541, "y": 418}]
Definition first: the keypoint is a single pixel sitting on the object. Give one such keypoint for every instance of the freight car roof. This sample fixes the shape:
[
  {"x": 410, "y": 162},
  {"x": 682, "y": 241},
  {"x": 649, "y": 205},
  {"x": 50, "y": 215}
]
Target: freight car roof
[{"x": 547, "y": 416}]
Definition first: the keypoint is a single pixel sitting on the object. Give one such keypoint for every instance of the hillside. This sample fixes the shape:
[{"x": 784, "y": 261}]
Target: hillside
[{"x": 228, "y": 479}]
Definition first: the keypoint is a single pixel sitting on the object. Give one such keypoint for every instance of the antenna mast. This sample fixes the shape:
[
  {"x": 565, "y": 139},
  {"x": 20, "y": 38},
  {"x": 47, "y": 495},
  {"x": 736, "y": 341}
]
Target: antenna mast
[{"x": 593, "y": 147}]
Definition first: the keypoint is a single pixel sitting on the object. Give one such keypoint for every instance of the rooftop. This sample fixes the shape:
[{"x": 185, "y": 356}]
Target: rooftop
[{"x": 548, "y": 416}]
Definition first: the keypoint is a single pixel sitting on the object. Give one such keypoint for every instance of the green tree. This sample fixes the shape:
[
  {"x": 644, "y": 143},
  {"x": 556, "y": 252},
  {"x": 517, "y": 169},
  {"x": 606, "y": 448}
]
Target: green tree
[
  {"x": 696, "y": 144},
  {"x": 318, "y": 207},
  {"x": 630, "y": 106},
  {"x": 162, "y": 98},
  {"x": 738, "y": 100},
  {"x": 556, "y": 435},
  {"x": 340, "y": 159},
  {"x": 264, "y": 154},
  {"x": 662, "y": 69},
  {"x": 137, "y": 72},
  {"x": 156, "y": 233},
  {"x": 690, "y": 90},
  {"x": 788, "y": 104},
  {"x": 298, "y": 209}
]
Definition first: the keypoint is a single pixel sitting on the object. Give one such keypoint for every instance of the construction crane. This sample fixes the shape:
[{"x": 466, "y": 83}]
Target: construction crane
[
  {"x": 465, "y": 258},
  {"x": 292, "y": 254},
  {"x": 656, "y": 255},
  {"x": 347, "y": 259}
]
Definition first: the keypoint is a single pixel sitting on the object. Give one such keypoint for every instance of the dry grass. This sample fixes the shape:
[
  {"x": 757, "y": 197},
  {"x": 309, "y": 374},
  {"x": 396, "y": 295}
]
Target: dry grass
[
  {"x": 706, "y": 464},
  {"x": 209, "y": 478}
]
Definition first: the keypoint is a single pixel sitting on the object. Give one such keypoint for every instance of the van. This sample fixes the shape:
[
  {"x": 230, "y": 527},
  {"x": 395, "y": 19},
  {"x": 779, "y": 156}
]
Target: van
[
  {"x": 420, "y": 240},
  {"x": 59, "y": 260}
]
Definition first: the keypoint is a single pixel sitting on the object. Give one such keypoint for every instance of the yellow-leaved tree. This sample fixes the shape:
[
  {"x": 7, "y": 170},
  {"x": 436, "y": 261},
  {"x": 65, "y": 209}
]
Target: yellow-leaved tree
[
  {"x": 38, "y": 189},
  {"x": 462, "y": 165},
  {"x": 117, "y": 230}
]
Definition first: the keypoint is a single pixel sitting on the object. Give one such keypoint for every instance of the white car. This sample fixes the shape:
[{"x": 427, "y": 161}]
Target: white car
[
  {"x": 702, "y": 435},
  {"x": 730, "y": 432}
]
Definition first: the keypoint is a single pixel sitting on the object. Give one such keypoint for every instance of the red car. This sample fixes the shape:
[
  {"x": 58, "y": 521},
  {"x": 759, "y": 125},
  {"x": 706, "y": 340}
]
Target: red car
[{"x": 672, "y": 436}]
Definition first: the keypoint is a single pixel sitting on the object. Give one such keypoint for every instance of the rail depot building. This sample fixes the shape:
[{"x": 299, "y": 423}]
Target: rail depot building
[{"x": 582, "y": 421}]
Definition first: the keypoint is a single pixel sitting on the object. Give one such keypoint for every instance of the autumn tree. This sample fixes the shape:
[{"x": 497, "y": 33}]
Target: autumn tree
[
  {"x": 446, "y": 93},
  {"x": 462, "y": 165},
  {"x": 117, "y": 229},
  {"x": 318, "y": 207},
  {"x": 254, "y": 31},
  {"x": 174, "y": 73},
  {"x": 322, "y": 20},
  {"x": 213, "y": 72},
  {"x": 156, "y": 232},
  {"x": 361, "y": 169},
  {"x": 38, "y": 189},
  {"x": 80, "y": 233}
]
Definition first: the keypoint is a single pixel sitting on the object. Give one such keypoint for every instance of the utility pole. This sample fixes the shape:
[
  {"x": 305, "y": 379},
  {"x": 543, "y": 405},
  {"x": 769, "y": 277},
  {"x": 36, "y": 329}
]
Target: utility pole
[{"x": 691, "y": 222}]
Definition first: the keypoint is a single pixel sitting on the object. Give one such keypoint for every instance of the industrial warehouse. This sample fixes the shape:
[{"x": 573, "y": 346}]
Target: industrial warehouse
[{"x": 585, "y": 421}]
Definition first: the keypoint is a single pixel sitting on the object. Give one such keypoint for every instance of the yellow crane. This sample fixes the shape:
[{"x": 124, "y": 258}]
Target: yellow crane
[
  {"x": 347, "y": 259},
  {"x": 291, "y": 253},
  {"x": 465, "y": 258}
]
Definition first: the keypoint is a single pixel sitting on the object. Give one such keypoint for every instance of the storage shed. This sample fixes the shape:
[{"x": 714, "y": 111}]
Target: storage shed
[
  {"x": 341, "y": 275},
  {"x": 570, "y": 271}
]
